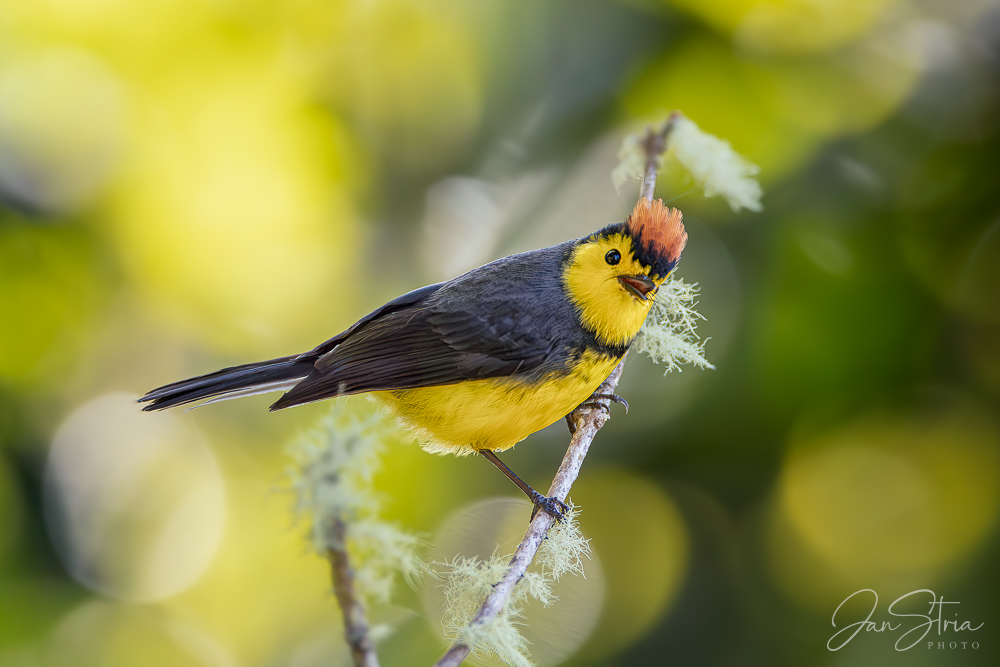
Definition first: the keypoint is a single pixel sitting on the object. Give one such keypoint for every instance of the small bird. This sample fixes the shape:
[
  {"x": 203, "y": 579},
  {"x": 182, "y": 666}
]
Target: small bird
[{"x": 480, "y": 362}]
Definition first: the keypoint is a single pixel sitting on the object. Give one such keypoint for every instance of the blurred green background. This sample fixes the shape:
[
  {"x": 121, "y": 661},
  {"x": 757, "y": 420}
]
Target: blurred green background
[{"x": 186, "y": 185}]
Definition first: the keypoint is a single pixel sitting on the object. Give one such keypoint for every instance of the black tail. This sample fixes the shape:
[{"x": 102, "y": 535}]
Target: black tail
[{"x": 239, "y": 380}]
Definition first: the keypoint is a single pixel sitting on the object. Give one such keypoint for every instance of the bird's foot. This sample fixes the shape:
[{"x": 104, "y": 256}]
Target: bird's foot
[
  {"x": 593, "y": 401},
  {"x": 550, "y": 504}
]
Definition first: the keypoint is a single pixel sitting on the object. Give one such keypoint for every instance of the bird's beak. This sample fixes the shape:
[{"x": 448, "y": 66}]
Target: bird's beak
[{"x": 639, "y": 285}]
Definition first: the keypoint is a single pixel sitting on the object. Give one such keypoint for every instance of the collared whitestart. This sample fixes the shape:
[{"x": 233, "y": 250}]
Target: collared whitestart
[{"x": 482, "y": 361}]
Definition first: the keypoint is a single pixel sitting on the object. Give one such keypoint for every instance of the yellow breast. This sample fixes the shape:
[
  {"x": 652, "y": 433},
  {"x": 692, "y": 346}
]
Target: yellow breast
[{"x": 495, "y": 413}]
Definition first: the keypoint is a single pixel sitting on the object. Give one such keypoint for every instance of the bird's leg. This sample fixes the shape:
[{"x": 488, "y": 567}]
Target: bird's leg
[
  {"x": 553, "y": 506},
  {"x": 592, "y": 403},
  {"x": 571, "y": 424}
]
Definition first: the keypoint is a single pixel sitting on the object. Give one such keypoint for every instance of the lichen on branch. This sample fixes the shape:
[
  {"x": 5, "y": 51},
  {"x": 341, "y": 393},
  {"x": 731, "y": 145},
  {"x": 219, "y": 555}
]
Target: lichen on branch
[
  {"x": 468, "y": 581},
  {"x": 669, "y": 334},
  {"x": 331, "y": 477},
  {"x": 714, "y": 164},
  {"x": 710, "y": 161}
]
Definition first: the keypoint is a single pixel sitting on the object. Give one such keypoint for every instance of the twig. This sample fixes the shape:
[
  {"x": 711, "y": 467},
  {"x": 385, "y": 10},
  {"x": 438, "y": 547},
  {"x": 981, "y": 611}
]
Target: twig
[
  {"x": 589, "y": 421},
  {"x": 355, "y": 618},
  {"x": 654, "y": 143}
]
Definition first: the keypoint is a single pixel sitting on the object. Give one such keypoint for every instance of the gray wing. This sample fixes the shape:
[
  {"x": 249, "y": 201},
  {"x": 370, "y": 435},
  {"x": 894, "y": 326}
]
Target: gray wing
[{"x": 500, "y": 320}]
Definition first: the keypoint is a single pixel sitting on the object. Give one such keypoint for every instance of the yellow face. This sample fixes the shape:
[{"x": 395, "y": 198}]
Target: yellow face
[{"x": 606, "y": 284}]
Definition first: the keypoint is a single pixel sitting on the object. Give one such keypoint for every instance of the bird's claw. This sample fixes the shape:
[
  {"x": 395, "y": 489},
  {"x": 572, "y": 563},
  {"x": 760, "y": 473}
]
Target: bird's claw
[
  {"x": 550, "y": 504},
  {"x": 592, "y": 402}
]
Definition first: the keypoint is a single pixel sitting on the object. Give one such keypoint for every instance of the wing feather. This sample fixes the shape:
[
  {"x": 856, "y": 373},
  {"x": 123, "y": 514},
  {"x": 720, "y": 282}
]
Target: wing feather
[
  {"x": 420, "y": 347},
  {"x": 508, "y": 317}
]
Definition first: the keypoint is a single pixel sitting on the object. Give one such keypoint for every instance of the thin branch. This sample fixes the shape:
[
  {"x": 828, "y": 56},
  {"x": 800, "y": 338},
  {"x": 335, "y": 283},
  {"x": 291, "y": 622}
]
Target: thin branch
[
  {"x": 356, "y": 629},
  {"x": 589, "y": 421},
  {"x": 654, "y": 144}
]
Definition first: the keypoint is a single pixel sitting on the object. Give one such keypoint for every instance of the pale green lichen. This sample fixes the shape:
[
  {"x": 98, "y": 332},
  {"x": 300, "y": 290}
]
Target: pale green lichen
[
  {"x": 669, "y": 334},
  {"x": 331, "y": 480},
  {"x": 468, "y": 581},
  {"x": 380, "y": 550},
  {"x": 564, "y": 547},
  {"x": 710, "y": 161},
  {"x": 715, "y": 165}
]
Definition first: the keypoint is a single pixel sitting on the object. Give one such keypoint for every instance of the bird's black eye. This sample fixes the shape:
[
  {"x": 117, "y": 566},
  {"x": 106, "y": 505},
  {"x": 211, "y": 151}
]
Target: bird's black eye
[{"x": 613, "y": 257}]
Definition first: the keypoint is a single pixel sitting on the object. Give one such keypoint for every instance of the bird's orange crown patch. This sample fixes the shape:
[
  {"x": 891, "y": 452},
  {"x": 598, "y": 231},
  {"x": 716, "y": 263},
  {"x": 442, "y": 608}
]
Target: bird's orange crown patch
[{"x": 657, "y": 233}]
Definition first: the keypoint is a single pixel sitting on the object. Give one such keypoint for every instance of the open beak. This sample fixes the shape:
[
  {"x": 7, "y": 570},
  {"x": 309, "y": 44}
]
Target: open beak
[{"x": 639, "y": 285}]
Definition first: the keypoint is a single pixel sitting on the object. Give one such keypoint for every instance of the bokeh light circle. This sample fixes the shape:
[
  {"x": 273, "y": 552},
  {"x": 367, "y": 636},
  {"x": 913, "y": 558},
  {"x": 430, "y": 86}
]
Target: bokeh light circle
[
  {"x": 890, "y": 499},
  {"x": 62, "y": 114},
  {"x": 134, "y": 501},
  {"x": 99, "y": 633},
  {"x": 640, "y": 535}
]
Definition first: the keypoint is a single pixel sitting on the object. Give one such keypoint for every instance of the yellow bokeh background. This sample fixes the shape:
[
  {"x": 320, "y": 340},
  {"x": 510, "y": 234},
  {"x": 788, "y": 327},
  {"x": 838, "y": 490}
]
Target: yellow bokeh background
[{"x": 186, "y": 186}]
